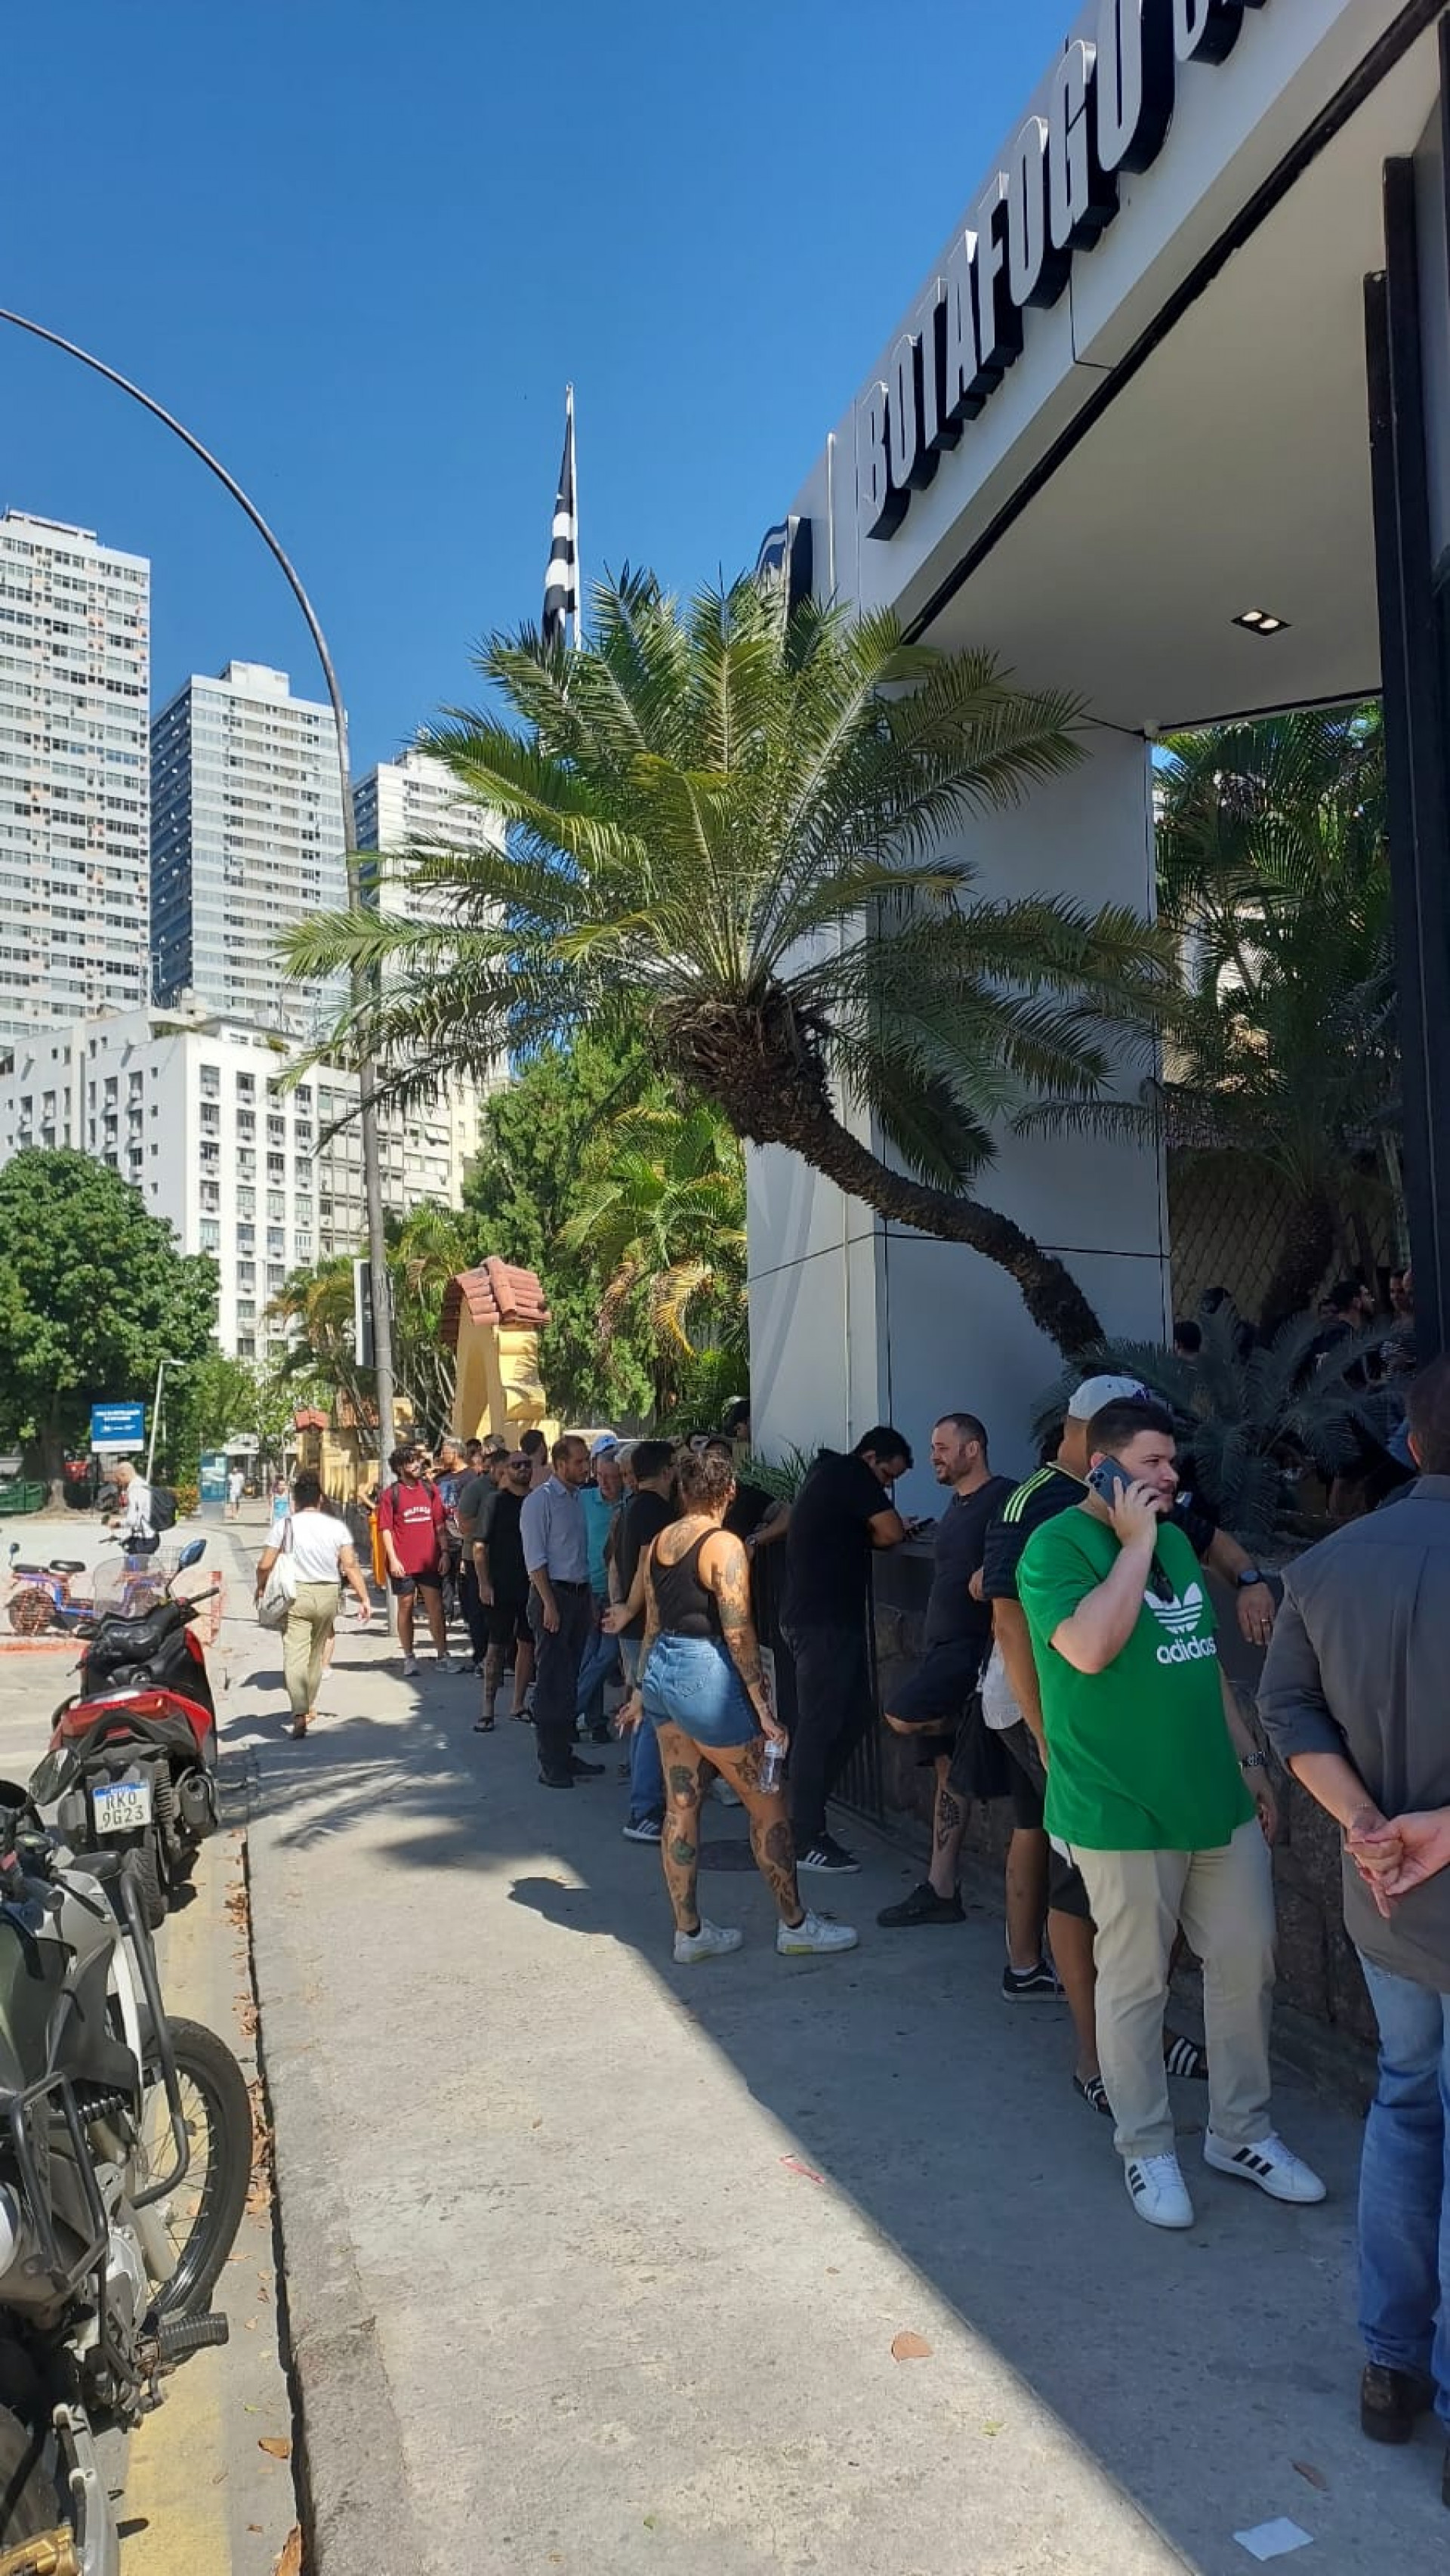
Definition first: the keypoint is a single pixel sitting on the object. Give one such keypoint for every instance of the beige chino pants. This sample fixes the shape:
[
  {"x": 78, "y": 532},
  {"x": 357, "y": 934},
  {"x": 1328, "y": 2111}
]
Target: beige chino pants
[
  {"x": 310, "y": 1623},
  {"x": 1224, "y": 1900}
]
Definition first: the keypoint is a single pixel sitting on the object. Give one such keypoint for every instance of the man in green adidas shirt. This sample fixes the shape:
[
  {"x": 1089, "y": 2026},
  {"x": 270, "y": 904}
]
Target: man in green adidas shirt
[{"x": 1147, "y": 1758}]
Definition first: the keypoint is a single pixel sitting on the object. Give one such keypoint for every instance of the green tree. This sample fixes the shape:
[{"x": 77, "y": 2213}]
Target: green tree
[
  {"x": 93, "y": 1292},
  {"x": 218, "y": 1398},
  {"x": 730, "y": 837},
  {"x": 1274, "y": 872},
  {"x": 520, "y": 1195},
  {"x": 661, "y": 1218},
  {"x": 425, "y": 1250}
]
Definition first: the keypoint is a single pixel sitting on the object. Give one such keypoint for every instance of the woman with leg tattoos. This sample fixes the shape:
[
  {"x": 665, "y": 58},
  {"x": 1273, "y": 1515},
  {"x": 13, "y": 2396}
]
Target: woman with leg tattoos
[{"x": 702, "y": 1689}]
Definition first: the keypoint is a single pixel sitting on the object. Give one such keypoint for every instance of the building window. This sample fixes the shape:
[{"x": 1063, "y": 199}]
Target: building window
[
  {"x": 246, "y": 1238},
  {"x": 276, "y": 1205},
  {"x": 210, "y": 1234},
  {"x": 276, "y": 1167},
  {"x": 276, "y": 1240}
]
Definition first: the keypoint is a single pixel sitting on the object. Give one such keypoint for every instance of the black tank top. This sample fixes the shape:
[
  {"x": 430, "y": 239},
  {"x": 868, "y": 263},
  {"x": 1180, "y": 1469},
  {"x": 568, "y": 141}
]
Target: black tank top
[{"x": 684, "y": 1606}]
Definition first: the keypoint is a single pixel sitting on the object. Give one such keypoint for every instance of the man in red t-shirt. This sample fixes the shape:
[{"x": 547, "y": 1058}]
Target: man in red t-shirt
[{"x": 410, "y": 1522}]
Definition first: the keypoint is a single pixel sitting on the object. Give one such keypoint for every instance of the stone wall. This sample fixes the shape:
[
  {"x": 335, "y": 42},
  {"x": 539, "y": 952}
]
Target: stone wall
[{"x": 1318, "y": 1972}]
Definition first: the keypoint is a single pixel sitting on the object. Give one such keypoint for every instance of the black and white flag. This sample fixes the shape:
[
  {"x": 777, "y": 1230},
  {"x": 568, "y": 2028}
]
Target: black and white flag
[{"x": 561, "y": 582}]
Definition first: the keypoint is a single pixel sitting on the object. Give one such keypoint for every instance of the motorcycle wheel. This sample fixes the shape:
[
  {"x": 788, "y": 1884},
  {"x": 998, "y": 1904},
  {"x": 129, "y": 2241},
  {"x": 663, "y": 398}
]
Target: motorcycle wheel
[
  {"x": 30, "y": 1612},
  {"x": 203, "y": 2214},
  {"x": 29, "y": 2504},
  {"x": 144, "y": 1863}
]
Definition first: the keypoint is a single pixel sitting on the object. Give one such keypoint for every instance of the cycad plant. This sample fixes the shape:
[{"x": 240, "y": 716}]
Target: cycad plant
[
  {"x": 734, "y": 833},
  {"x": 1256, "y": 1421}
]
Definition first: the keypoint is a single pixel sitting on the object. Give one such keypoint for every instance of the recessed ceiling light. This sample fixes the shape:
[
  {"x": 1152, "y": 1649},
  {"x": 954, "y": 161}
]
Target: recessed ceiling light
[{"x": 1258, "y": 621}]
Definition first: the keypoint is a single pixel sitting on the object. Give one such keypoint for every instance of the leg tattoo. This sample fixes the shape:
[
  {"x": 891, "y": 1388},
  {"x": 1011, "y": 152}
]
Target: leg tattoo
[
  {"x": 772, "y": 1842},
  {"x": 680, "y": 1841}
]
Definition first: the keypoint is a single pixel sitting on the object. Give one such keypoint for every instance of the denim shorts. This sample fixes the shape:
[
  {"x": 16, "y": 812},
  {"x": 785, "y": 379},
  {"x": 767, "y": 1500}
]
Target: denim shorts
[{"x": 691, "y": 1683}]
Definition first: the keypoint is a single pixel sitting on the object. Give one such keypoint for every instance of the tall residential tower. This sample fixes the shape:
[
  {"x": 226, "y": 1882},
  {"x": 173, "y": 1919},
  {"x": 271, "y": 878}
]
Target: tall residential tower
[
  {"x": 74, "y": 794},
  {"x": 246, "y": 841}
]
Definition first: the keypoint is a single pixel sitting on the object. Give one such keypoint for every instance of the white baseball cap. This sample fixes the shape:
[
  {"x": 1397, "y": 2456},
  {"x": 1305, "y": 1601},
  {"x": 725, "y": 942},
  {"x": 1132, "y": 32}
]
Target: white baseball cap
[
  {"x": 604, "y": 1446},
  {"x": 1096, "y": 1393}
]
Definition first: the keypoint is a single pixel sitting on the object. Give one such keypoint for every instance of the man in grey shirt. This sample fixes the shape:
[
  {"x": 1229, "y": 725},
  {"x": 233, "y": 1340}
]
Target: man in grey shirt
[
  {"x": 1353, "y": 1699},
  {"x": 556, "y": 1552}
]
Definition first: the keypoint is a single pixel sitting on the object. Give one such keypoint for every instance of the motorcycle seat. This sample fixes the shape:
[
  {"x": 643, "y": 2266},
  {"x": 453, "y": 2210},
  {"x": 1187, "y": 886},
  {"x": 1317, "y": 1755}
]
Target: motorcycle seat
[{"x": 67, "y": 1565}]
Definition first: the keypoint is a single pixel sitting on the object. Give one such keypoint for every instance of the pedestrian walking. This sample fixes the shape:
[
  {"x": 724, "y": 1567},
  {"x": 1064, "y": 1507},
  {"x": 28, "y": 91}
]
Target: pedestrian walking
[
  {"x": 1353, "y": 1700},
  {"x": 502, "y": 1582},
  {"x": 411, "y": 1526},
  {"x": 842, "y": 1512},
  {"x": 702, "y": 1689},
  {"x": 320, "y": 1546},
  {"x": 1147, "y": 1762},
  {"x": 236, "y": 1487},
  {"x": 133, "y": 1521},
  {"x": 938, "y": 1703},
  {"x": 556, "y": 1554}
]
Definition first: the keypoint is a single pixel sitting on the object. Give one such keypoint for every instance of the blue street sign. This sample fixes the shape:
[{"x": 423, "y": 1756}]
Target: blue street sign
[{"x": 118, "y": 1426}]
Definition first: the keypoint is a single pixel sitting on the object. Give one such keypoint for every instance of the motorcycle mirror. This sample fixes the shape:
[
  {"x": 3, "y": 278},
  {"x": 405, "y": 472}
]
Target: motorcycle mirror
[{"x": 191, "y": 1554}]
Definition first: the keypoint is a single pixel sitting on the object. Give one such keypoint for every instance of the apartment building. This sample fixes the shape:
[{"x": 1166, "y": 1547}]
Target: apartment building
[
  {"x": 74, "y": 789},
  {"x": 191, "y": 1107},
  {"x": 246, "y": 841}
]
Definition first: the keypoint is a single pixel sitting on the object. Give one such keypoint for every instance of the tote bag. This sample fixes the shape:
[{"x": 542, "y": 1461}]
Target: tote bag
[{"x": 280, "y": 1589}]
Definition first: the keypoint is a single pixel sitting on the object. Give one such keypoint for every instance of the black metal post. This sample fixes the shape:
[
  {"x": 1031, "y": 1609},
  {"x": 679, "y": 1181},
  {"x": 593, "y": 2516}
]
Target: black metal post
[{"x": 1413, "y": 644}]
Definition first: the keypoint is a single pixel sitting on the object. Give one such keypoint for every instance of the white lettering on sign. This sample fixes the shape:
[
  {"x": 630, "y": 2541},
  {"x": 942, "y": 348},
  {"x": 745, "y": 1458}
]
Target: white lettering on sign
[{"x": 1109, "y": 110}]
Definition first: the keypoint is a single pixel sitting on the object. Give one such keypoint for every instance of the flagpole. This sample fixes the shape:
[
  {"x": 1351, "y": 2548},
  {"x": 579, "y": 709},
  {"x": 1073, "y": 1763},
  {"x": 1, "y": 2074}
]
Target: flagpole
[{"x": 574, "y": 458}]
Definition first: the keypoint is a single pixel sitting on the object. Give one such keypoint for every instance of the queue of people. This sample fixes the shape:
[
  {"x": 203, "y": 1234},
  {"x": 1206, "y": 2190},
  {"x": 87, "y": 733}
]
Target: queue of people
[{"x": 1071, "y": 1666}]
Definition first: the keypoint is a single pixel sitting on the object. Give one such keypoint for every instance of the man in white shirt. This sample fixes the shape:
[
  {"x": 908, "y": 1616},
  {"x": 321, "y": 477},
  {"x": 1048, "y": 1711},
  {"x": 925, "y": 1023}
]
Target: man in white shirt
[
  {"x": 236, "y": 1485},
  {"x": 133, "y": 1520}
]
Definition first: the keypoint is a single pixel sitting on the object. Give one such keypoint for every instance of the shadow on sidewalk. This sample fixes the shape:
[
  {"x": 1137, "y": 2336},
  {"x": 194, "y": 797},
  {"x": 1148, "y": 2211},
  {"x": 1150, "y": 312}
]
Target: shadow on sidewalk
[{"x": 1212, "y": 2376}]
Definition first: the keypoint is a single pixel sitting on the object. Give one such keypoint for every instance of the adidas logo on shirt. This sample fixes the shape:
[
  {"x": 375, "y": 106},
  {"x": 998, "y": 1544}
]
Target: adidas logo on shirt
[{"x": 1180, "y": 1617}]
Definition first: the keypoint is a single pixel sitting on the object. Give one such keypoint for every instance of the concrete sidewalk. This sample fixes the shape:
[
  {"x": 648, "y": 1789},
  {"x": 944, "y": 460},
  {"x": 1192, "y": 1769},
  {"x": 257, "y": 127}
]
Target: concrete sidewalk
[{"x": 596, "y": 2264}]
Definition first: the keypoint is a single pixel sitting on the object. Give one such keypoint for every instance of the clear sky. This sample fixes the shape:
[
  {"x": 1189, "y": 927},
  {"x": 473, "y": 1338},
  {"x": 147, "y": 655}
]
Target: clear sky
[{"x": 359, "y": 245}]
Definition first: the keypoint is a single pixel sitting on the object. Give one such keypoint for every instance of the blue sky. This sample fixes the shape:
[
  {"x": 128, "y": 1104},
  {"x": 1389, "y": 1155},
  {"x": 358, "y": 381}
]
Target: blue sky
[{"x": 360, "y": 245}]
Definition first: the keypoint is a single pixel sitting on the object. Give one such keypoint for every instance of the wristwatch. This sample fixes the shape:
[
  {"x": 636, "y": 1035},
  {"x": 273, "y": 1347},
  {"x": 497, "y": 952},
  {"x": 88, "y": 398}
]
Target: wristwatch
[{"x": 1249, "y": 1577}]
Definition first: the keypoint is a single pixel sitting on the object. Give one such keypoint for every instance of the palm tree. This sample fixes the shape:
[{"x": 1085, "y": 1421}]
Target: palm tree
[
  {"x": 426, "y": 1248},
  {"x": 726, "y": 829},
  {"x": 1274, "y": 870},
  {"x": 662, "y": 1215}
]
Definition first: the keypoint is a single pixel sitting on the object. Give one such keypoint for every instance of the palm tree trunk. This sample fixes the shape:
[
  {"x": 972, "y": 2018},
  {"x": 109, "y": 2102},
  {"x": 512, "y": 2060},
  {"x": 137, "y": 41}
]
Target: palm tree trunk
[
  {"x": 1050, "y": 1293},
  {"x": 1305, "y": 1254}
]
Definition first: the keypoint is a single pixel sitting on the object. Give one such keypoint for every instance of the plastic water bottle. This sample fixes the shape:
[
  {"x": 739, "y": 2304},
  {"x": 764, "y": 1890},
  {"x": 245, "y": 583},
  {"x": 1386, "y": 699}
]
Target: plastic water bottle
[{"x": 772, "y": 1769}]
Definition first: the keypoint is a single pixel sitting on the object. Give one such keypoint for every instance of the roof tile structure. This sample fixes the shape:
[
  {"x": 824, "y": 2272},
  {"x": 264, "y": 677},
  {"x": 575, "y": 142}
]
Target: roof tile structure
[{"x": 495, "y": 1293}]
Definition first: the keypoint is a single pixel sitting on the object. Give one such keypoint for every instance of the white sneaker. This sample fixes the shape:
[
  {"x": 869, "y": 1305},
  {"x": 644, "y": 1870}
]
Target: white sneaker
[
  {"x": 1158, "y": 2191},
  {"x": 710, "y": 1942},
  {"x": 1267, "y": 2162},
  {"x": 410, "y": 1667},
  {"x": 813, "y": 1936},
  {"x": 444, "y": 1665}
]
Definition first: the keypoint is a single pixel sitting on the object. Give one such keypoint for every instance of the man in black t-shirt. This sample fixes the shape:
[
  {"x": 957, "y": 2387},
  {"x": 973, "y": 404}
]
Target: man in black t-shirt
[
  {"x": 842, "y": 1512},
  {"x": 935, "y": 1704},
  {"x": 503, "y": 1588},
  {"x": 650, "y": 1508}
]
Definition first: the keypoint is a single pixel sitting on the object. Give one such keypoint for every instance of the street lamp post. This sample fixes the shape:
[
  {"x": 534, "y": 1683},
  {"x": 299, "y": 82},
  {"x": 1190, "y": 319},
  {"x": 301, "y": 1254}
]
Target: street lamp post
[{"x": 367, "y": 1080}]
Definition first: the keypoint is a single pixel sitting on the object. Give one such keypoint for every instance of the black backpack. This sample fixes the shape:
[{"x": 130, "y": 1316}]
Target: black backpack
[{"x": 163, "y": 1508}]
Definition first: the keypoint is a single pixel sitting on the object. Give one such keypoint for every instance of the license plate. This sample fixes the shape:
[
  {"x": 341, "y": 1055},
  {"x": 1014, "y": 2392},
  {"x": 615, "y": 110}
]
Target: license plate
[{"x": 123, "y": 1808}]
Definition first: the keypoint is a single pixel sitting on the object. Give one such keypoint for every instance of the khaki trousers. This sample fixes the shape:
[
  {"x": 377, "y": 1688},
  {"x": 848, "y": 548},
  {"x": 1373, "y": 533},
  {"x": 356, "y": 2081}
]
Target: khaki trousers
[
  {"x": 1224, "y": 1900},
  {"x": 310, "y": 1623}
]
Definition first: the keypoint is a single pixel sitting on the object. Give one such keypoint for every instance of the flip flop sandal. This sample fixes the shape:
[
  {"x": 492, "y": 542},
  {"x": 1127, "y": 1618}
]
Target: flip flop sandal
[
  {"x": 1094, "y": 2093},
  {"x": 1184, "y": 2056}
]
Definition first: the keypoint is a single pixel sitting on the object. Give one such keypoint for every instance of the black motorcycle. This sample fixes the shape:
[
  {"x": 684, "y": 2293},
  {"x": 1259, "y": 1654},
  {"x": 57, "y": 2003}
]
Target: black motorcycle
[
  {"x": 125, "y": 2157},
  {"x": 132, "y": 1764}
]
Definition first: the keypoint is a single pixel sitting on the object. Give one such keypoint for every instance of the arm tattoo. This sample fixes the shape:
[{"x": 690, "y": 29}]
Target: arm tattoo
[{"x": 730, "y": 1583}]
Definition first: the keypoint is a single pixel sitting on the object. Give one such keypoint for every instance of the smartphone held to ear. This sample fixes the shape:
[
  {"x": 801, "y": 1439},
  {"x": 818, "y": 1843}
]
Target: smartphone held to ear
[{"x": 1108, "y": 1480}]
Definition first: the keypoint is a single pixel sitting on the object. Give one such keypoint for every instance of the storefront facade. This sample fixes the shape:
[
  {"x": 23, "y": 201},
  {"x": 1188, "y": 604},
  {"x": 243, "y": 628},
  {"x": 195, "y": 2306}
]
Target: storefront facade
[{"x": 1167, "y": 424}]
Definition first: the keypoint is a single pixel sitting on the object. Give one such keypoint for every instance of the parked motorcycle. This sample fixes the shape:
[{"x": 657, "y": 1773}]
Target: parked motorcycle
[
  {"x": 133, "y": 1756},
  {"x": 107, "y": 2109}
]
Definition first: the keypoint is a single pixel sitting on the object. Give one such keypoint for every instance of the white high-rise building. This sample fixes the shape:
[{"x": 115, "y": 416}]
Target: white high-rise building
[
  {"x": 246, "y": 841},
  {"x": 74, "y": 788},
  {"x": 191, "y": 1107},
  {"x": 413, "y": 804}
]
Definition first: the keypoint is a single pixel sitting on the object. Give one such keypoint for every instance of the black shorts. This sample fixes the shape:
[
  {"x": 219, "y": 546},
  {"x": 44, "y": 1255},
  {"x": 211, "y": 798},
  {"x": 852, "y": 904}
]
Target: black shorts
[
  {"x": 1066, "y": 1891},
  {"x": 980, "y": 1769},
  {"x": 508, "y": 1620},
  {"x": 405, "y": 1585},
  {"x": 933, "y": 1701}
]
